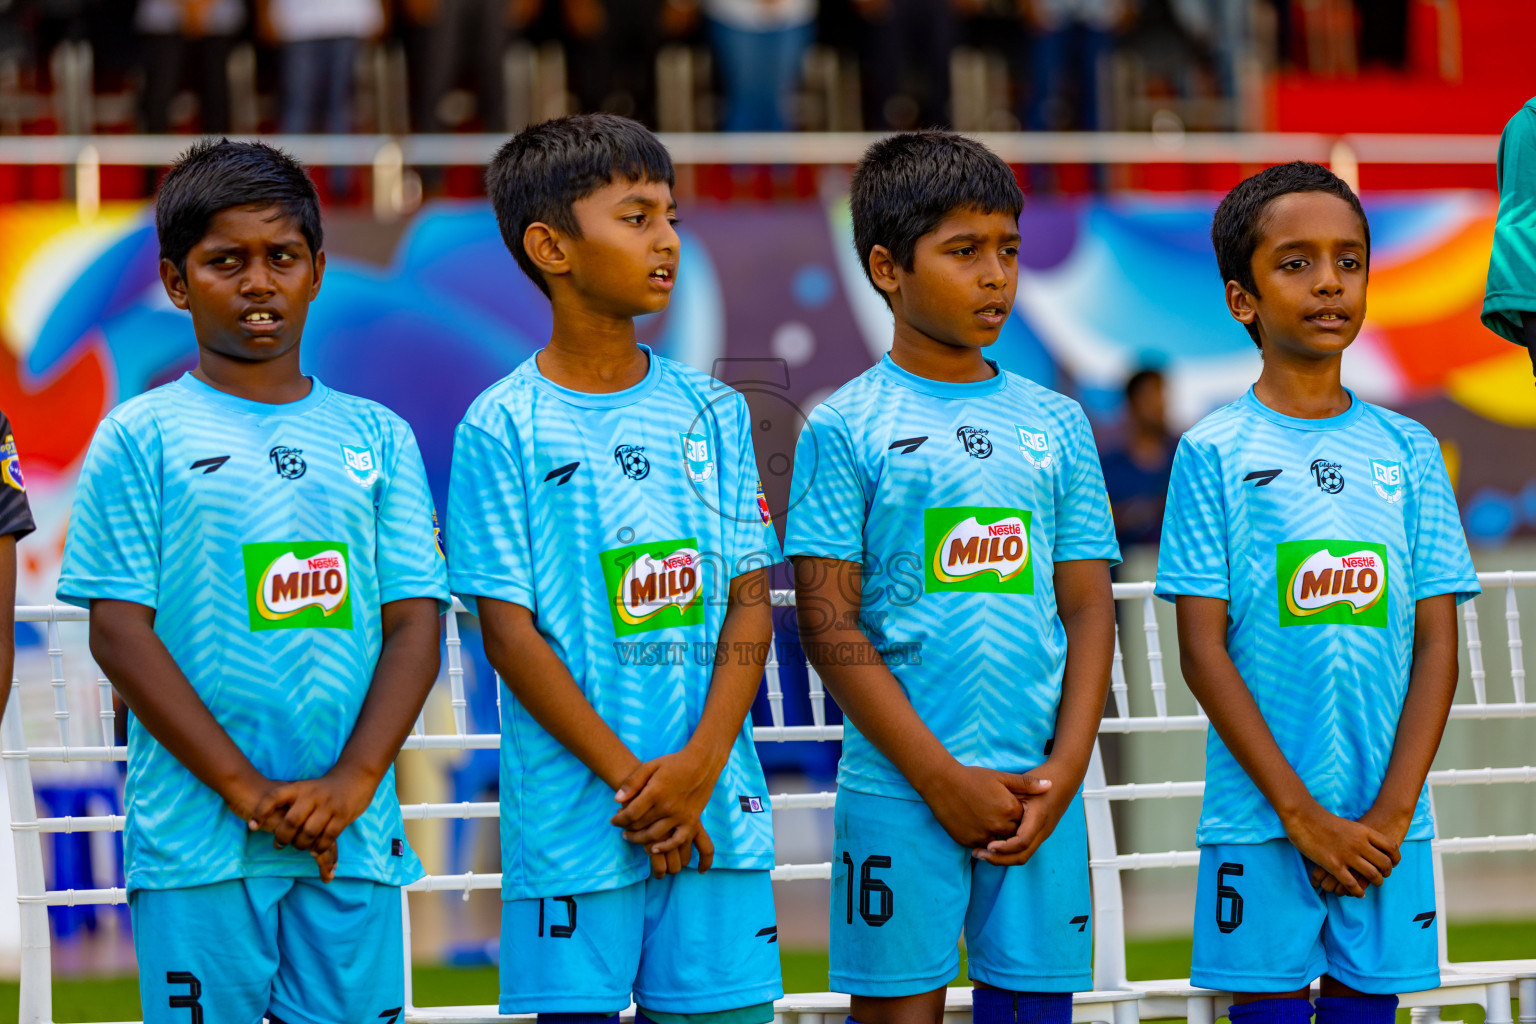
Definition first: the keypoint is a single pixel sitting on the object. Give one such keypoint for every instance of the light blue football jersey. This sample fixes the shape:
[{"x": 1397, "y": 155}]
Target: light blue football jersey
[
  {"x": 958, "y": 500},
  {"x": 1321, "y": 535},
  {"x": 266, "y": 538},
  {"x": 619, "y": 520}
]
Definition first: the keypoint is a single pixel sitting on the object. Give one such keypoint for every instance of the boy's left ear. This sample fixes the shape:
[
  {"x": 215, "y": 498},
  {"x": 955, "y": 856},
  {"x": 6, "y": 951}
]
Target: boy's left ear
[{"x": 314, "y": 289}]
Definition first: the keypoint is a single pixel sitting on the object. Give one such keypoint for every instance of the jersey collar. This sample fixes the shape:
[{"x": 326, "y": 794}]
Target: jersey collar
[
  {"x": 943, "y": 388},
  {"x": 1344, "y": 419},
  {"x": 609, "y": 400},
  {"x": 208, "y": 393}
]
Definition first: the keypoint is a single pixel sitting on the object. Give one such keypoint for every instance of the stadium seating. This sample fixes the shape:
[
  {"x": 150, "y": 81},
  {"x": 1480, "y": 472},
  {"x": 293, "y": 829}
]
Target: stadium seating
[{"x": 1115, "y": 1000}]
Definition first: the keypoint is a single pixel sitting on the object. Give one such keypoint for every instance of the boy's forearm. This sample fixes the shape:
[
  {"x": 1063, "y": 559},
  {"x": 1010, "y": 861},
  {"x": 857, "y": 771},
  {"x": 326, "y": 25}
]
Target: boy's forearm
[
  {"x": 1086, "y": 603},
  {"x": 1235, "y": 715},
  {"x": 1427, "y": 705},
  {"x": 858, "y": 678},
  {"x": 544, "y": 687},
  {"x": 130, "y": 653},
  {"x": 744, "y": 638},
  {"x": 407, "y": 667}
]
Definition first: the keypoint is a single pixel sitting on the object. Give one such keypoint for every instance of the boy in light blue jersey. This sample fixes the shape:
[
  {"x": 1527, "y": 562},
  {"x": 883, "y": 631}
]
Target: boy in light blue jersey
[
  {"x": 259, "y": 558},
  {"x": 606, "y": 520},
  {"x": 1312, "y": 543},
  {"x": 952, "y": 543}
]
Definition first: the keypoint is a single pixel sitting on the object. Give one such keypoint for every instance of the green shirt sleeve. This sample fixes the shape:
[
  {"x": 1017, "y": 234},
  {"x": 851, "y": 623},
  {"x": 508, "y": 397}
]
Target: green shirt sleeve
[{"x": 1512, "y": 266}]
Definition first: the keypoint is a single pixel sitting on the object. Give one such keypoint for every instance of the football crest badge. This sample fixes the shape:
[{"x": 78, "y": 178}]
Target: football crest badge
[
  {"x": 1387, "y": 478},
  {"x": 1036, "y": 446},
  {"x": 362, "y": 467},
  {"x": 696, "y": 457}
]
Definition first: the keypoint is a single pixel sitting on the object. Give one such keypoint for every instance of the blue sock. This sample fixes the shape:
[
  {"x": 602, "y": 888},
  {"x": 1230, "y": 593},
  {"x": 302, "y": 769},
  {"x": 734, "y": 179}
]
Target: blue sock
[
  {"x": 1356, "y": 1009},
  {"x": 1271, "y": 1011},
  {"x": 998, "y": 1006},
  {"x": 850, "y": 1020},
  {"x": 578, "y": 1018}
]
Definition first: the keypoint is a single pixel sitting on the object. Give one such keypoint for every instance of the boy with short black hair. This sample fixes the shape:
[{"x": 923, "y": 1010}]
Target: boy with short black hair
[
  {"x": 952, "y": 551},
  {"x": 258, "y": 555},
  {"x": 1314, "y": 550},
  {"x": 606, "y": 520}
]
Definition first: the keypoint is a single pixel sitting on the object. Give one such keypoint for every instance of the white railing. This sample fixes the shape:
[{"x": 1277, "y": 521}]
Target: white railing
[
  {"x": 1115, "y": 1000},
  {"x": 388, "y": 156}
]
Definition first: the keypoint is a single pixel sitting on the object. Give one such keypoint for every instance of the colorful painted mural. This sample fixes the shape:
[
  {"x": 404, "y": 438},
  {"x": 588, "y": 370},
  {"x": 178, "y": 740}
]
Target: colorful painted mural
[{"x": 770, "y": 297}]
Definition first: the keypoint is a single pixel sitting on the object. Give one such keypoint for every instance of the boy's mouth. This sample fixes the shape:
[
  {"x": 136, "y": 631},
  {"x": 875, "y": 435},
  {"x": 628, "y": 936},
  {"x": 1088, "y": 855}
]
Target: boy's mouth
[
  {"x": 261, "y": 321},
  {"x": 1328, "y": 318},
  {"x": 664, "y": 276},
  {"x": 993, "y": 315}
]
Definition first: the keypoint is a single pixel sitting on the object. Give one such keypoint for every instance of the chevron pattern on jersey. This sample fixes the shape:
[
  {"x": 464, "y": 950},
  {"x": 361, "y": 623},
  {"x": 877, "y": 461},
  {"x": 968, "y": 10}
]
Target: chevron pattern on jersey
[
  {"x": 519, "y": 531},
  {"x": 1257, "y": 496},
  {"x": 981, "y": 665},
  {"x": 152, "y": 526}
]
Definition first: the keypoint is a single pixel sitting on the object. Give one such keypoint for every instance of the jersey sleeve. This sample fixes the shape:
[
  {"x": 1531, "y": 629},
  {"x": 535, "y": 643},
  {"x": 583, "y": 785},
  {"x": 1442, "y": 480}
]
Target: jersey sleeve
[
  {"x": 112, "y": 547},
  {"x": 828, "y": 505},
  {"x": 1512, "y": 264},
  {"x": 1441, "y": 562},
  {"x": 1192, "y": 556},
  {"x": 489, "y": 552},
  {"x": 408, "y": 559},
  {"x": 754, "y": 544},
  {"x": 15, "y": 512},
  {"x": 1084, "y": 526}
]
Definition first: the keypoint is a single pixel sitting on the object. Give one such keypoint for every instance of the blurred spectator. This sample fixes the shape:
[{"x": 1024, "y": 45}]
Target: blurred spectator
[
  {"x": 613, "y": 46},
  {"x": 457, "y": 36},
  {"x": 318, "y": 42},
  {"x": 759, "y": 46},
  {"x": 906, "y": 48},
  {"x": 1136, "y": 474},
  {"x": 173, "y": 31},
  {"x": 1070, "y": 41}
]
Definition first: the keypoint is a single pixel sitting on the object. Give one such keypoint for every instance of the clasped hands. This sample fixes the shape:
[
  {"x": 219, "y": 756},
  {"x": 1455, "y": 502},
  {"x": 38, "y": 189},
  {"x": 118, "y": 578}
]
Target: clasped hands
[
  {"x": 308, "y": 814},
  {"x": 1003, "y": 817},
  {"x": 663, "y": 800}
]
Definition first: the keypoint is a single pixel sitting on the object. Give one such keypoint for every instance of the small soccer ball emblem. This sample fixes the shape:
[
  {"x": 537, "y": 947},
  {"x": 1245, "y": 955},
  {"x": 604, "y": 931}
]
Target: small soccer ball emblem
[
  {"x": 975, "y": 441},
  {"x": 289, "y": 462},
  {"x": 631, "y": 459},
  {"x": 1329, "y": 475}
]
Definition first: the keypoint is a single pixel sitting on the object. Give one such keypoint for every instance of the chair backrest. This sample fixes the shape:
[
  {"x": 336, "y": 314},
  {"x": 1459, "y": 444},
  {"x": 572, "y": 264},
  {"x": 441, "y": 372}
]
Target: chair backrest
[{"x": 86, "y": 738}]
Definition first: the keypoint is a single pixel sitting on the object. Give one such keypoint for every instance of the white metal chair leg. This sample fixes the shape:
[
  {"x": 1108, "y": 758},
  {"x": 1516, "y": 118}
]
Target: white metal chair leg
[
  {"x": 1202, "y": 1010},
  {"x": 1527, "y": 1001},
  {"x": 1497, "y": 1010},
  {"x": 1425, "y": 1015}
]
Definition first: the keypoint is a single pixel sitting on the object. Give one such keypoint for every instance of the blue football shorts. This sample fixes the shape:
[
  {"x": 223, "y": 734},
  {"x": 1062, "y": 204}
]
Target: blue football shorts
[
  {"x": 686, "y": 943},
  {"x": 302, "y": 950},
  {"x": 1261, "y": 927},
  {"x": 903, "y": 892}
]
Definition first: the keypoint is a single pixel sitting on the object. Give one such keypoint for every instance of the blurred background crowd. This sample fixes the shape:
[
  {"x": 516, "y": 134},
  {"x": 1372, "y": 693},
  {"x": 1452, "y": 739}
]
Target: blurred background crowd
[{"x": 84, "y": 66}]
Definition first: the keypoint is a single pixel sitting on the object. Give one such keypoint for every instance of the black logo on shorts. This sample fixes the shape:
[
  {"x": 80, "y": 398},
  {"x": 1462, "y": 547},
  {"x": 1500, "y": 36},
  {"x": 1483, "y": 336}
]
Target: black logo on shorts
[
  {"x": 974, "y": 440},
  {"x": 631, "y": 459},
  {"x": 289, "y": 462},
  {"x": 1427, "y": 918},
  {"x": 1329, "y": 475},
  {"x": 771, "y": 934},
  {"x": 1081, "y": 920}
]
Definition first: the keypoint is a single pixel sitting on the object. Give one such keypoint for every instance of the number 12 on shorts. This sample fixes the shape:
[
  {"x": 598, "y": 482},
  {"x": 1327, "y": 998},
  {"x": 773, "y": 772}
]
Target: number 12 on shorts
[{"x": 876, "y": 900}]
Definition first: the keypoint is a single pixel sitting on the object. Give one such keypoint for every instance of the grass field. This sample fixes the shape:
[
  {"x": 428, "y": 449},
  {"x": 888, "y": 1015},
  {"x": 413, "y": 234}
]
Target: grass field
[{"x": 100, "y": 999}]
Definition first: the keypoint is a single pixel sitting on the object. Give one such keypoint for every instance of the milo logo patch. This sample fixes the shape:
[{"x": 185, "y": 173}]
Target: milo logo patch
[
  {"x": 976, "y": 549},
  {"x": 299, "y": 585},
  {"x": 653, "y": 586},
  {"x": 1338, "y": 582}
]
